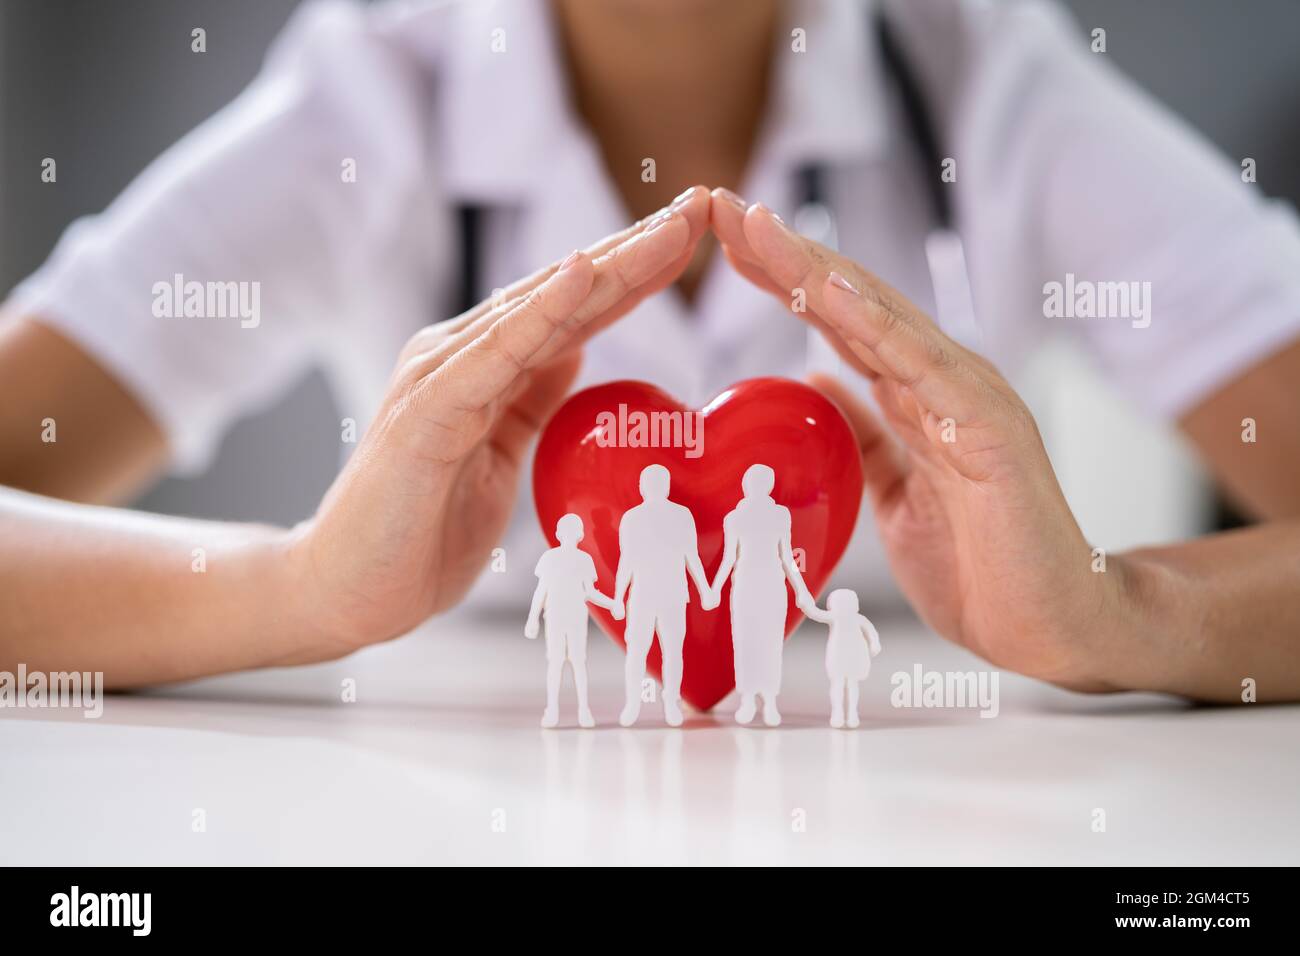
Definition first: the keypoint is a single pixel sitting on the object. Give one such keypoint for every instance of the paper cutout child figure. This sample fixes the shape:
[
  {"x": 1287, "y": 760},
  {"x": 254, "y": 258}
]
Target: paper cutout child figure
[
  {"x": 657, "y": 547},
  {"x": 847, "y": 658},
  {"x": 758, "y": 557},
  {"x": 566, "y": 581}
]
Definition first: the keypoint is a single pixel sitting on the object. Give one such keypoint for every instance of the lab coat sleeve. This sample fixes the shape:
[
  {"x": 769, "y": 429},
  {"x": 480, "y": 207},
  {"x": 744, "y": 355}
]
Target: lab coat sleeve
[
  {"x": 258, "y": 195},
  {"x": 1085, "y": 176}
]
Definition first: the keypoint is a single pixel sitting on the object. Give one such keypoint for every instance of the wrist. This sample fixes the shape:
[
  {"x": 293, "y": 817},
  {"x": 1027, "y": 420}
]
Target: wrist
[
  {"x": 311, "y": 622},
  {"x": 1151, "y": 608}
]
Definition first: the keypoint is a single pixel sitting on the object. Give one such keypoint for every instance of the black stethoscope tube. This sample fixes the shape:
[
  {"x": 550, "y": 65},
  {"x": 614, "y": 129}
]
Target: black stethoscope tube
[{"x": 815, "y": 212}]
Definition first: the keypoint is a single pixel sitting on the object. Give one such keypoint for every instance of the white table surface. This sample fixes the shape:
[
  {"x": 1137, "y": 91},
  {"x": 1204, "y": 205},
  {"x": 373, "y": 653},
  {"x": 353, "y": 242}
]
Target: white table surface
[{"x": 443, "y": 740}]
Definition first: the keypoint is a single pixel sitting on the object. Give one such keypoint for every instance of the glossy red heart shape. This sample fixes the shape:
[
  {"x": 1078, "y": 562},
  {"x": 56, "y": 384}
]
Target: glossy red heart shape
[{"x": 778, "y": 422}]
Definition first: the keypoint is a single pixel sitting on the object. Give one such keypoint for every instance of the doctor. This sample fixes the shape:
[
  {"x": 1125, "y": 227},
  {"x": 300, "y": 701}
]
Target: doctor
[{"x": 395, "y": 164}]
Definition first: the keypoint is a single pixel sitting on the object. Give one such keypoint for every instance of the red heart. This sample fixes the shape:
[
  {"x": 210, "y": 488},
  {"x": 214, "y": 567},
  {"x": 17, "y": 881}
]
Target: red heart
[{"x": 794, "y": 429}]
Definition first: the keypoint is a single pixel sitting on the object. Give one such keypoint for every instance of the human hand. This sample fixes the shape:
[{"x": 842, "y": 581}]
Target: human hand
[
  {"x": 618, "y": 611},
  {"x": 530, "y": 629},
  {"x": 410, "y": 521},
  {"x": 978, "y": 533}
]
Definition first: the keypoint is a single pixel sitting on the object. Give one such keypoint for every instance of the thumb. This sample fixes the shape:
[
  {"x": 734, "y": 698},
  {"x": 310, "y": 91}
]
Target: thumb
[{"x": 530, "y": 410}]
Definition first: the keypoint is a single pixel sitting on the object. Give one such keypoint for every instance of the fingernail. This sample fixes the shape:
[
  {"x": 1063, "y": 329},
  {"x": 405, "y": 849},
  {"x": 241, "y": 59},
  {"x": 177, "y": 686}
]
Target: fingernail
[
  {"x": 768, "y": 210},
  {"x": 730, "y": 197},
  {"x": 682, "y": 198},
  {"x": 840, "y": 282},
  {"x": 658, "y": 221},
  {"x": 569, "y": 260},
  {"x": 657, "y": 216}
]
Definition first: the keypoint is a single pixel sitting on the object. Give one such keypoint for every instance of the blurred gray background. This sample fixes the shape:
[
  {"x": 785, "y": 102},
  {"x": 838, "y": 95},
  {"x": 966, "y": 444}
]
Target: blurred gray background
[{"x": 105, "y": 85}]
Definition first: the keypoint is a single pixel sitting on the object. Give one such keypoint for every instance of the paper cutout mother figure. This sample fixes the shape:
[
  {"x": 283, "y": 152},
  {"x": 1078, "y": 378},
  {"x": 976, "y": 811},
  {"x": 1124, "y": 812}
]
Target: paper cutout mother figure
[{"x": 758, "y": 557}]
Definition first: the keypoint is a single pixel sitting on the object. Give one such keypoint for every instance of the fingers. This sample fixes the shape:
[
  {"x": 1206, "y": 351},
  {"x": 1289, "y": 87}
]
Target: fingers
[
  {"x": 727, "y": 217},
  {"x": 636, "y": 296},
  {"x": 528, "y": 412},
  {"x": 636, "y": 261},
  {"x": 693, "y": 203},
  {"x": 876, "y": 323},
  {"x": 869, "y": 323},
  {"x": 883, "y": 465},
  {"x": 484, "y": 374},
  {"x": 752, "y": 271},
  {"x": 911, "y": 351},
  {"x": 904, "y": 417},
  {"x": 489, "y": 366},
  {"x": 693, "y": 206},
  {"x": 633, "y": 269},
  {"x": 639, "y": 265},
  {"x": 628, "y": 268}
]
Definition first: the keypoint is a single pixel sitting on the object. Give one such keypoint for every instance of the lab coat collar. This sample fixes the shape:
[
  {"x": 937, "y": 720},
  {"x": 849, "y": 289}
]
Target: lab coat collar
[
  {"x": 503, "y": 102},
  {"x": 506, "y": 116},
  {"x": 829, "y": 102}
]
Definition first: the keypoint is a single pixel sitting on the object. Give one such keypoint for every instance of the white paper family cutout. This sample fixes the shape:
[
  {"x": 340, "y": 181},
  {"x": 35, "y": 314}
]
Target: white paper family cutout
[
  {"x": 757, "y": 554},
  {"x": 658, "y": 550},
  {"x": 566, "y": 581},
  {"x": 848, "y": 658}
]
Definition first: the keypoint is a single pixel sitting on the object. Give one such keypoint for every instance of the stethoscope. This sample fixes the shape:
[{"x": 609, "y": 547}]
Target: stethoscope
[{"x": 814, "y": 215}]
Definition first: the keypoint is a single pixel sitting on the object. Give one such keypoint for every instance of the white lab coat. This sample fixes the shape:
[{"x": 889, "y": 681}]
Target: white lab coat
[{"x": 1062, "y": 167}]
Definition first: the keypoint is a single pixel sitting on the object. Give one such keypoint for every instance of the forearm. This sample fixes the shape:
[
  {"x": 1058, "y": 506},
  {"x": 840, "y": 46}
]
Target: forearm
[
  {"x": 696, "y": 569},
  {"x": 594, "y": 596},
  {"x": 143, "y": 598},
  {"x": 68, "y": 428},
  {"x": 1206, "y": 615},
  {"x": 793, "y": 575},
  {"x": 535, "y": 608},
  {"x": 724, "y": 570}
]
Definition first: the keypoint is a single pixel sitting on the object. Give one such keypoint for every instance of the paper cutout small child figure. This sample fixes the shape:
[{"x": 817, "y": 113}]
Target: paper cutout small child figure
[
  {"x": 566, "y": 581},
  {"x": 848, "y": 658}
]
